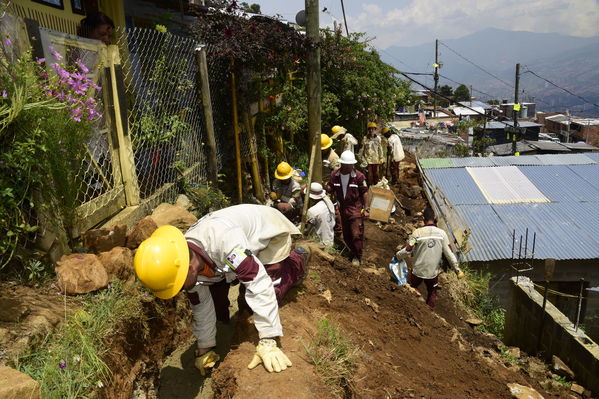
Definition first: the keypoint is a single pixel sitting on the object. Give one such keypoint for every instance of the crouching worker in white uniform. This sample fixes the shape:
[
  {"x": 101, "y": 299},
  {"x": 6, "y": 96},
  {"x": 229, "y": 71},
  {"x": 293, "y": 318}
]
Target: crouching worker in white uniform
[
  {"x": 251, "y": 243},
  {"x": 320, "y": 219}
]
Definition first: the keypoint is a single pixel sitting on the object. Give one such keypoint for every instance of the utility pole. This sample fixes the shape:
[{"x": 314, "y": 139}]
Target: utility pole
[
  {"x": 436, "y": 76},
  {"x": 344, "y": 19},
  {"x": 314, "y": 95},
  {"x": 516, "y": 132}
]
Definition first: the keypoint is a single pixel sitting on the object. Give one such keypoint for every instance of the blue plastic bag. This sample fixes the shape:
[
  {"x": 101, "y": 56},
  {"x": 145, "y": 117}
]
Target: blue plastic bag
[{"x": 399, "y": 269}]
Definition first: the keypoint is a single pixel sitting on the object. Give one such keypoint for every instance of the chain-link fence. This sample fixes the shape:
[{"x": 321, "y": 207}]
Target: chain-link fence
[{"x": 165, "y": 114}]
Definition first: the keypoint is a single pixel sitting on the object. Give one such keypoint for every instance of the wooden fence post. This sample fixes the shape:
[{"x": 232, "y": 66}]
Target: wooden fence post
[
  {"x": 126, "y": 156},
  {"x": 257, "y": 181},
  {"x": 236, "y": 135},
  {"x": 208, "y": 117}
]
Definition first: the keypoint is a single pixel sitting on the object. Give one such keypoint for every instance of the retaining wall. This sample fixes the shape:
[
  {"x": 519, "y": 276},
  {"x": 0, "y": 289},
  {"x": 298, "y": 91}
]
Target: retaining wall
[{"x": 558, "y": 337}]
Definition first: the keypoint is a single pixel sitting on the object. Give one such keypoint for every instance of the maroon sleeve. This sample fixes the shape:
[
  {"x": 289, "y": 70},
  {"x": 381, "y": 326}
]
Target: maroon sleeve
[{"x": 247, "y": 270}]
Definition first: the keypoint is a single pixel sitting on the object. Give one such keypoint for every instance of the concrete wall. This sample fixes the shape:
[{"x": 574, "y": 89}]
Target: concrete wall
[
  {"x": 567, "y": 270},
  {"x": 558, "y": 337}
]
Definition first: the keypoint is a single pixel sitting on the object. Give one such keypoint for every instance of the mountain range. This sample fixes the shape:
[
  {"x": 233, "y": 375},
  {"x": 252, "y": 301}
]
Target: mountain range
[{"x": 486, "y": 61}]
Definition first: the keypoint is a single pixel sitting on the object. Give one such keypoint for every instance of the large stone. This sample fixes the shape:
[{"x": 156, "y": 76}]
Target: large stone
[
  {"x": 523, "y": 392},
  {"x": 561, "y": 368},
  {"x": 118, "y": 263},
  {"x": 16, "y": 385},
  {"x": 101, "y": 240},
  {"x": 173, "y": 215},
  {"x": 12, "y": 310},
  {"x": 141, "y": 231},
  {"x": 81, "y": 273},
  {"x": 184, "y": 202},
  {"x": 577, "y": 389}
]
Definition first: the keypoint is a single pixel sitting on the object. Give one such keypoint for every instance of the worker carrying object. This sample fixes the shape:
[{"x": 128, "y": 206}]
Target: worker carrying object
[
  {"x": 286, "y": 194},
  {"x": 349, "y": 189},
  {"x": 427, "y": 245},
  {"x": 371, "y": 154},
  {"x": 346, "y": 139},
  {"x": 395, "y": 153},
  {"x": 251, "y": 243},
  {"x": 320, "y": 219}
]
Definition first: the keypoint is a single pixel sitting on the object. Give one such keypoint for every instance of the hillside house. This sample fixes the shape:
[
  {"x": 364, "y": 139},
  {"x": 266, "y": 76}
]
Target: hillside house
[
  {"x": 488, "y": 204},
  {"x": 496, "y": 131}
]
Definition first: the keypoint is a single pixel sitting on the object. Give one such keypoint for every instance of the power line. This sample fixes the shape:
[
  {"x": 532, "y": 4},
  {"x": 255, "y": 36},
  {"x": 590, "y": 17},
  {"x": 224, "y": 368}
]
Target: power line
[
  {"x": 478, "y": 66},
  {"x": 473, "y": 89},
  {"x": 344, "y": 20},
  {"x": 562, "y": 88},
  {"x": 495, "y": 119}
]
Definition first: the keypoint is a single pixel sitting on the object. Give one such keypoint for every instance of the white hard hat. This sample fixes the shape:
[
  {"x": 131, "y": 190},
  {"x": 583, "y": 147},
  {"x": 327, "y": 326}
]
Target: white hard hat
[
  {"x": 348, "y": 157},
  {"x": 316, "y": 191}
]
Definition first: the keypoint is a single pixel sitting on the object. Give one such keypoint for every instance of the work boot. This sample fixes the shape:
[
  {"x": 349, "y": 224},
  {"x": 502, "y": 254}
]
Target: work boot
[
  {"x": 355, "y": 262},
  {"x": 305, "y": 252}
]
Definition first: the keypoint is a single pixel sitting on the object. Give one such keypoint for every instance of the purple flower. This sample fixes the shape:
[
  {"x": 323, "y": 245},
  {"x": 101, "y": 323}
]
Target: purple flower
[
  {"x": 40, "y": 60},
  {"x": 62, "y": 364},
  {"x": 63, "y": 149},
  {"x": 108, "y": 286},
  {"x": 4, "y": 94},
  {"x": 55, "y": 53},
  {"x": 64, "y": 74},
  {"x": 7, "y": 41},
  {"x": 82, "y": 67}
]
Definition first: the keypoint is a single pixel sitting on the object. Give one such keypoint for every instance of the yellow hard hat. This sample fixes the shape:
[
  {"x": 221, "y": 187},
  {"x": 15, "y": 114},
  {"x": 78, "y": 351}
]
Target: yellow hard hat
[
  {"x": 284, "y": 171},
  {"x": 385, "y": 130},
  {"x": 162, "y": 262},
  {"x": 337, "y": 129},
  {"x": 325, "y": 141},
  {"x": 371, "y": 124}
]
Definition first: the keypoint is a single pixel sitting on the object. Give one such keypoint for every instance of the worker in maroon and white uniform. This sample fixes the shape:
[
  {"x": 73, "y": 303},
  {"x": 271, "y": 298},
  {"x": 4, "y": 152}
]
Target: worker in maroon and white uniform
[
  {"x": 427, "y": 245},
  {"x": 251, "y": 243},
  {"x": 349, "y": 189}
]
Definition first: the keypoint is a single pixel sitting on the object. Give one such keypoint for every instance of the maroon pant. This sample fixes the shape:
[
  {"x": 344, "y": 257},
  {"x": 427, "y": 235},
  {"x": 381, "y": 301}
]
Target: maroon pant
[
  {"x": 394, "y": 166},
  {"x": 353, "y": 234},
  {"x": 290, "y": 271},
  {"x": 431, "y": 287},
  {"x": 372, "y": 174}
]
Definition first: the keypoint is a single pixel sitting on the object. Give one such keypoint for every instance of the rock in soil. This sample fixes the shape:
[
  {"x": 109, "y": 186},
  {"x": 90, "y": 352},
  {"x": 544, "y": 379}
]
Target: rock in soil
[
  {"x": 523, "y": 392},
  {"x": 561, "y": 368},
  {"x": 81, "y": 273},
  {"x": 16, "y": 385},
  {"x": 101, "y": 240},
  {"x": 173, "y": 215},
  {"x": 142, "y": 230},
  {"x": 12, "y": 310},
  {"x": 118, "y": 263}
]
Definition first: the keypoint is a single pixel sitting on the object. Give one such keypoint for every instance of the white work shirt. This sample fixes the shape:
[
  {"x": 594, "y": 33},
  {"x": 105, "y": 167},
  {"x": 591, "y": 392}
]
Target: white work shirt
[
  {"x": 321, "y": 220},
  {"x": 396, "y": 148},
  {"x": 349, "y": 142},
  {"x": 267, "y": 234}
]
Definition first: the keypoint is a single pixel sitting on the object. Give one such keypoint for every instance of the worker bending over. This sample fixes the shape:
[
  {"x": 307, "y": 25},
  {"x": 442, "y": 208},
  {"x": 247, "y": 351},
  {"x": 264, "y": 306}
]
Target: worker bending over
[
  {"x": 251, "y": 243},
  {"x": 286, "y": 194},
  {"x": 320, "y": 219}
]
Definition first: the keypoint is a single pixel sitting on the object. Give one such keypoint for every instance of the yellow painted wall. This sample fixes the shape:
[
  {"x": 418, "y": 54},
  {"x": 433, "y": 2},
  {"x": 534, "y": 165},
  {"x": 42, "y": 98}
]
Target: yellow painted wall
[{"x": 65, "y": 20}]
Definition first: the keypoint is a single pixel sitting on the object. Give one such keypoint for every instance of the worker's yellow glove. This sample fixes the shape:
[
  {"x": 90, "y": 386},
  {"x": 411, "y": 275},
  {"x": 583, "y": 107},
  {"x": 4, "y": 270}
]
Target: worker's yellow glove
[
  {"x": 268, "y": 353},
  {"x": 273, "y": 196},
  {"x": 460, "y": 274},
  {"x": 206, "y": 361}
]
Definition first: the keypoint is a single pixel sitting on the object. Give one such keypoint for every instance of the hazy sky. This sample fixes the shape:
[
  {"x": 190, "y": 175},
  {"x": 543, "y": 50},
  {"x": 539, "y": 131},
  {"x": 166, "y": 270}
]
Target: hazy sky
[{"x": 412, "y": 22}]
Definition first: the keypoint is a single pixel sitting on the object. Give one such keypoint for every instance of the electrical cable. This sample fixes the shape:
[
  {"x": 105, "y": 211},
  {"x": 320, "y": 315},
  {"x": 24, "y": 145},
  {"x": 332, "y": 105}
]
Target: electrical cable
[
  {"x": 476, "y": 65},
  {"x": 473, "y": 89},
  {"x": 561, "y": 88},
  {"x": 464, "y": 106}
]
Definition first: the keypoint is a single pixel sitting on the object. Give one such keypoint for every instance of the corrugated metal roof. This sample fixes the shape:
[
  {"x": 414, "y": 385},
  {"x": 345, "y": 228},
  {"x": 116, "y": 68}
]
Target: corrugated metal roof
[
  {"x": 580, "y": 146},
  {"x": 517, "y": 161},
  {"x": 506, "y": 149},
  {"x": 505, "y": 185},
  {"x": 457, "y": 185},
  {"x": 560, "y": 183},
  {"x": 548, "y": 146},
  {"x": 472, "y": 161},
  {"x": 490, "y": 238},
  {"x": 565, "y": 159},
  {"x": 503, "y": 124},
  {"x": 567, "y": 228},
  {"x": 430, "y": 163},
  {"x": 590, "y": 173},
  {"x": 593, "y": 155}
]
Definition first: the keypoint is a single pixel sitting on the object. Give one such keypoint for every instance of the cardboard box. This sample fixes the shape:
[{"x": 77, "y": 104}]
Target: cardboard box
[{"x": 380, "y": 202}]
